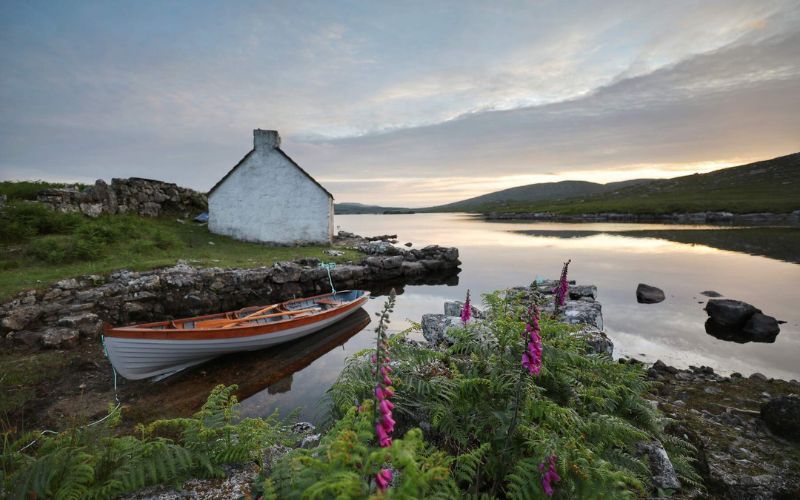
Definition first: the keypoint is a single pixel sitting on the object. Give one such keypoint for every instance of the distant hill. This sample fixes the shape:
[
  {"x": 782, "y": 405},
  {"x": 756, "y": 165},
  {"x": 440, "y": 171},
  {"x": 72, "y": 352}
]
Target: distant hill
[
  {"x": 534, "y": 193},
  {"x": 764, "y": 186},
  {"x": 360, "y": 208}
]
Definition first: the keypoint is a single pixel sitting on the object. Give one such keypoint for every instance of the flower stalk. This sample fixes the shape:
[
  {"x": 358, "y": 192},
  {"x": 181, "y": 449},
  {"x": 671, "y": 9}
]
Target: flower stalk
[
  {"x": 550, "y": 475},
  {"x": 532, "y": 356},
  {"x": 562, "y": 289},
  {"x": 384, "y": 421},
  {"x": 466, "y": 311}
]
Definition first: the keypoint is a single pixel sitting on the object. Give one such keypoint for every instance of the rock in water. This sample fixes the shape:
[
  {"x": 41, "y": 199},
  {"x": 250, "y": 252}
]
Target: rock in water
[
  {"x": 646, "y": 294},
  {"x": 711, "y": 293},
  {"x": 730, "y": 313},
  {"x": 761, "y": 328},
  {"x": 782, "y": 416}
]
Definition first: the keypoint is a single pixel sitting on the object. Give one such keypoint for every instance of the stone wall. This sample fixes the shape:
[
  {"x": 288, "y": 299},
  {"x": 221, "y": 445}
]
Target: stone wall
[
  {"x": 60, "y": 315},
  {"x": 145, "y": 197}
]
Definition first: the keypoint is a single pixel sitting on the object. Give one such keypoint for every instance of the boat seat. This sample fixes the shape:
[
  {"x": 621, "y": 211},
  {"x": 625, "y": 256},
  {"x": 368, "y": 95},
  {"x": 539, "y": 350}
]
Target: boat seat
[{"x": 328, "y": 302}]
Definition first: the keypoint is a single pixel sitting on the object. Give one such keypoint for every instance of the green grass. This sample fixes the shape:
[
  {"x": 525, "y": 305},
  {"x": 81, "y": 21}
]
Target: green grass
[
  {"x": 744, "y": 199},
  {"x": 27, "y": 190},
  {"x": 39, "y": 247},
  {"x": 19, "y": 376}
]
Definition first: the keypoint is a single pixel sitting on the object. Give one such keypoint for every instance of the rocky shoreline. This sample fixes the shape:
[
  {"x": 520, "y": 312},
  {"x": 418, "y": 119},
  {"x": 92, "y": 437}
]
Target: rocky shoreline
[
  {"x": 677, "y": 218},
  {"x": 746, "y": 430},
  {"x": 738, "y": 425},
  {"x": 63, "y": 314}
]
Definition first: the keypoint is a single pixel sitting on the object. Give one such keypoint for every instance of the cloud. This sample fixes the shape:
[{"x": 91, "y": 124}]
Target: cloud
[
  {"x": 727, "y": 105},
  {"x": 448, "y": 97}
]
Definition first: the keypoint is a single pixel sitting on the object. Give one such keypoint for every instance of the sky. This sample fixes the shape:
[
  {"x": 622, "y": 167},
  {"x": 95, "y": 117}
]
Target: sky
[{"x": 397, "y": 103}]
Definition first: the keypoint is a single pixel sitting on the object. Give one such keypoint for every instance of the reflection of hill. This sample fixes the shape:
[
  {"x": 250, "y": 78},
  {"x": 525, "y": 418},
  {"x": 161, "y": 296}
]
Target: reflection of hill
[
  {"x": 775, "y": 243},
  {"x": 184, "y": 393}
]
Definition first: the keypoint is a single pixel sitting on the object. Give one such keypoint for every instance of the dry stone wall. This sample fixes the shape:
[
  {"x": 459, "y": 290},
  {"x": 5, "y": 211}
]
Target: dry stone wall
[
  {"x": 62, "y": 314},
  {"x": 145, "y": 197}
]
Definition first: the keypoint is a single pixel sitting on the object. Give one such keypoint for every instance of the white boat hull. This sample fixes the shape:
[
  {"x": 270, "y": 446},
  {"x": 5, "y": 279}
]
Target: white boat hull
[{"x": 140, "y": 358}]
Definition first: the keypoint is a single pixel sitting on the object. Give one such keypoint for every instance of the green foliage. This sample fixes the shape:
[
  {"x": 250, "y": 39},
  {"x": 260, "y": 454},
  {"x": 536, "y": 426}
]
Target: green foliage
[
  {"x": 27, "y": 190},
  {"x": 91, "y": 462},
  {"x": 39, "y": 245},
  {"x": 498, "y": 423},
  {"x": 20, "y": 221},
  {"x": 347, "y": 459}
]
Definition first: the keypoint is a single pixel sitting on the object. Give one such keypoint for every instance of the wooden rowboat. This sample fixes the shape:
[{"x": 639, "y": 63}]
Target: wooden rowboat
[{"x": 162, "y": 348}]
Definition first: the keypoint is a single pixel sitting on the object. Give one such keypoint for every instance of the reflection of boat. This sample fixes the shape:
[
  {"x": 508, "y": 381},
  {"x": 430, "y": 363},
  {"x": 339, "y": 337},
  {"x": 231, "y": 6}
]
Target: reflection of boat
[
  {"x": 153, "y": 349},
  {"x": 252, "y": 372}
]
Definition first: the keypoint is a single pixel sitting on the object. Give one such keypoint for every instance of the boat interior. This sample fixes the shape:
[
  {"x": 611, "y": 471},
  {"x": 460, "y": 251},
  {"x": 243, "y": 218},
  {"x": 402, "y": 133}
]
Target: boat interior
[{"x": 259, "y": 315}]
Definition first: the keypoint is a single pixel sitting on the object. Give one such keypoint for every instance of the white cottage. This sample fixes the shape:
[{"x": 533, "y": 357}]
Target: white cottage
[{"x": 268, "y": 198}]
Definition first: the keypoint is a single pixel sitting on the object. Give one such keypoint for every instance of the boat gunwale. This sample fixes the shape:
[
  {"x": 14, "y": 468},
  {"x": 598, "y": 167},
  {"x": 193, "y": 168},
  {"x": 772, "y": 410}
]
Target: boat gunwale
[{"x": 145, "y": 330}]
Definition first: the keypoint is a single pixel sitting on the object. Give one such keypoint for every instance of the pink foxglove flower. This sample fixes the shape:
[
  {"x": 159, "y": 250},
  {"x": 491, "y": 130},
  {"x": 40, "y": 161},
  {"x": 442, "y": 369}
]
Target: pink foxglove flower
[
  {"x": 562, "y": 288},
  {"x": 466, "y": 311},
  {"x": 549, "y": 476},
  {"x": 383, "y": 478},
  {"x": 384, "y": 420},
  {"x": 532, "y": 356}
]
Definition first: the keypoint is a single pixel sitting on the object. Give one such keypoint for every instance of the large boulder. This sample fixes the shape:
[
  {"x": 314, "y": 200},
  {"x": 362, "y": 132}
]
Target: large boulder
[
  {"x": 731, "y": 313},
  {"x": 761, "y": 328},
  {"x": 435, "y": 326},
  {"x": 664, "y": 476},
  {"x": 454, "y": 308},
  {"x": 597, "y": 341},
  {"x": 782, "y": 416},
  {"x": 646, "y": 294},
  {"x": 582, "y": 312},
  {"x": 579, "y": 291}
]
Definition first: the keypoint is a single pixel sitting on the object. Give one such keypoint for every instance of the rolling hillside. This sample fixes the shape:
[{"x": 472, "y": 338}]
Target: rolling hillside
[
  {"x": 360, "y": 208},
  {"x": 764, "y": 186},
  {"x": 534, "y": 193}
]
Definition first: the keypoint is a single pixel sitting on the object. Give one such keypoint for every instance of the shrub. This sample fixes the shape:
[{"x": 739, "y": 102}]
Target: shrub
[
  {"x": 347, "y": 459},
  {"x": 91, "y": 462},
  {"x": 27, "y": 190},
  {"x": 499, "y": 424},
  {"x": 22, "y": 220}
]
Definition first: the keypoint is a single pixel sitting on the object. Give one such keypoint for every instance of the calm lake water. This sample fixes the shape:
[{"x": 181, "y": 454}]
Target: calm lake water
[{"x": 757, "y": 265}]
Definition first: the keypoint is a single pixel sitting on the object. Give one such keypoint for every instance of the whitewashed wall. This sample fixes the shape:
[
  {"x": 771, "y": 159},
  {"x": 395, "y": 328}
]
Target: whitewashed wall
[{"x": 267, "y": 199}]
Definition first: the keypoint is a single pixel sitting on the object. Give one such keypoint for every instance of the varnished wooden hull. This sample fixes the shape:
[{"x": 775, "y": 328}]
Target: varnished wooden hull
[{"x": 156, "y": 349}]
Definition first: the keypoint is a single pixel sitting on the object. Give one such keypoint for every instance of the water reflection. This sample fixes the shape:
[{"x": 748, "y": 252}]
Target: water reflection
[
  {"x": 616, "y": 257},
  {"x": 269, "y": 371},
  {"x": 781, "y": 243},
  {"x": 737, "y": 335},
  {"x": 681, "y": 260}
]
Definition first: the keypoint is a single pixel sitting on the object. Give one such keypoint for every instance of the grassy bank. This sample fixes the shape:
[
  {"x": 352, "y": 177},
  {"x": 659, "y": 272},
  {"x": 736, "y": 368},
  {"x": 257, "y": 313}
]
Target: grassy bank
[
  {"x": 747, "y": 199},
  {"x": 39, "y": 246},
  {"x": 470, "y": 422},
  {"x": 27, "y": 190}
]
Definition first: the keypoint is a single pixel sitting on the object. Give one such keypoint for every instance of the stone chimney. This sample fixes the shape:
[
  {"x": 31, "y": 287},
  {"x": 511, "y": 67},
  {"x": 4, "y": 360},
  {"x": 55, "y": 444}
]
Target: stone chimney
[{"x": 266, "y": 139}]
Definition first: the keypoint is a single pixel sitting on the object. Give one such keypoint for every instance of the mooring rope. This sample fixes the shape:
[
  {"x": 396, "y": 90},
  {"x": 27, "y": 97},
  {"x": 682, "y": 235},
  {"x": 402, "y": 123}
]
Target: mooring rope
[
  {"x": 328, "y": 266},
  {"x": 112, "y": 412}
]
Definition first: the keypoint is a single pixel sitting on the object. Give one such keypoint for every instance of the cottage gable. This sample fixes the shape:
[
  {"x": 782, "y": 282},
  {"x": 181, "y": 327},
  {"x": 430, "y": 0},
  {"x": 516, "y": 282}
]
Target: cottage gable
[{"x": 267, "y": 197}]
